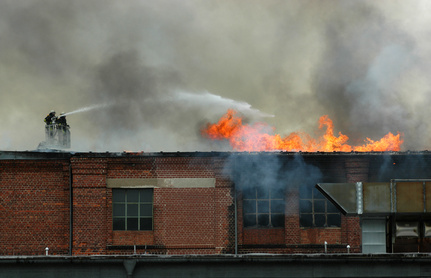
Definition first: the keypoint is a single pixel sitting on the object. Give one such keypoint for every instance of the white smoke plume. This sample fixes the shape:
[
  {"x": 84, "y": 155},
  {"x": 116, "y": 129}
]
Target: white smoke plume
[{"x": 150, "y": 74}]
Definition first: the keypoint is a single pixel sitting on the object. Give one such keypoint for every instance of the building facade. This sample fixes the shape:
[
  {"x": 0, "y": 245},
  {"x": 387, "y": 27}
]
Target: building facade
[{"x": 195, "y": 203}]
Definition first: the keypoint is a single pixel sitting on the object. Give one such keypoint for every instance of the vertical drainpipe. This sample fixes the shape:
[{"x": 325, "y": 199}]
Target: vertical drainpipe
[
  {"x": 236, "y": 221},
  {"x": 70, "y": 209}
]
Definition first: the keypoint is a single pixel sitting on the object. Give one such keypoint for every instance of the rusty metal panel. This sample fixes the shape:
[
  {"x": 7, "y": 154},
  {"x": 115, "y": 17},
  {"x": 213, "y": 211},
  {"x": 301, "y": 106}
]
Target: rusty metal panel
[
  {"x": 409, "y": 196},
  {"x": 428, "y": 196},
  {"x": 377, "y": 197}
]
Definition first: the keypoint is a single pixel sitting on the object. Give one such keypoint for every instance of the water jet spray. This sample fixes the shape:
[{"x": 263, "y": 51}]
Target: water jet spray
[{"x": 88, "y": 108}]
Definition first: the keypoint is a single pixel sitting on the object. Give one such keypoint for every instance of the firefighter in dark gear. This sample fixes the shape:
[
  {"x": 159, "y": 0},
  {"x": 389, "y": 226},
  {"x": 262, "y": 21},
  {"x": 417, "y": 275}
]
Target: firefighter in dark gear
[
  {"x": 50, "y": 121},
  {"x": 61, "y": 121},
  {"x": 62, "y": 126},
  {"x": 50, "y": 118}
]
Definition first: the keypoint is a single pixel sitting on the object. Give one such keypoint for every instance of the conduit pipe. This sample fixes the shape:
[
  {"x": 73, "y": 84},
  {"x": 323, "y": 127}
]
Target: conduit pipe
[
  {"x": 236, "y": 222},
  {"x": 70, "y": 209}
]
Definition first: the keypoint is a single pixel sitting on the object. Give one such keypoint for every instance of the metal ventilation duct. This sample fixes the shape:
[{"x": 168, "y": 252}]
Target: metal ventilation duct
[{"x": 397, "y": 196}]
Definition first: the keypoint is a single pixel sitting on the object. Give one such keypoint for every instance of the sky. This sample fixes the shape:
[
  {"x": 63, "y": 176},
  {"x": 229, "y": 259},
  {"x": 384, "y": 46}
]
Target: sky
[{"x": 148, "y": 75}]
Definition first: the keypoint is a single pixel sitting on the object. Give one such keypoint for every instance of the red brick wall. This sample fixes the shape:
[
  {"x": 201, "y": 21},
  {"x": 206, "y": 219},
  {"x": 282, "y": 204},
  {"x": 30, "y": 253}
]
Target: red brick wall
[
  {"x": 357, "y": 169},
  {"x": 34, "y": 207},
  {"x": 292, "y": 235},
  {"x": 319, "y": 236},
  {"x": 185, "y": 217},
  {"x": 90, "y": 229},
  {"x": 186, "y": 220},
  {"x": 264, "y": 236},
  {"x": 34, "y": 204}
]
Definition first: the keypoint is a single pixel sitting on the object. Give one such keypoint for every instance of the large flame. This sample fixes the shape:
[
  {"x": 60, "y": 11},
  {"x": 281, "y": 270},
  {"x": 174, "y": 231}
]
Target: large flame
[{"x": 258, "y": 137}]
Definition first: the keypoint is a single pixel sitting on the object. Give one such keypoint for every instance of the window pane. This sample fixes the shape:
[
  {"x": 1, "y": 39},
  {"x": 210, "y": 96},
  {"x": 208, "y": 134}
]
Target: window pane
[
  {"x": 132, "y": 224},
  {"x": 319, "y": 206},
  {"x": 334, "y": 220},
  {"x": 146, "y": 195},
  {"x": 305, "y": 206},
  {"x": 249, "y": 193},
  {"x": 132, "y": 210},
  {"x": 277, "y": 193},
  {"x": 306, "y": 220},
  {"x": 249, "y": 206},
  {"x": 132, "y": 195},
  {"x": 262, "y": 192},
  {"x": 262, "y": 206},
  {"x": 317, "y": 194},
  {"x": 119, "y": 209},
  {"x": 319, "y": 220},
  {"x": 305, "y": 192},
  {"x": 147, "y": 210},
  {"x": 277, "y": 220},
  {"x": 314, "y": 209},
  {"x": 250, "y": 220},
  {"x": 331, "y": 207},
  {"x": 146, "y": 224},
  {"x": 119, "y": 224},
  {"x": 263, "y": 220},
  {"x": 118, "y": 195},
  {"x": 277, "y": 206}
]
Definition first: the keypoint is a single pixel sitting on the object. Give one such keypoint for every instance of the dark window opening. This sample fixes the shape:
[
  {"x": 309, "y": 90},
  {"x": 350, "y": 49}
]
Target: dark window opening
[
  {"x": 132, "y": 209},
  {"x": 316, "y": 211},
  {"x": 263, "y": 207}
]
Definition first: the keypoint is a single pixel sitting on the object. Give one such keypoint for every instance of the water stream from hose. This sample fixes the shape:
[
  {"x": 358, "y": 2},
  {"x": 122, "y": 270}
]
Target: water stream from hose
[{"x": 88, "y": 108}]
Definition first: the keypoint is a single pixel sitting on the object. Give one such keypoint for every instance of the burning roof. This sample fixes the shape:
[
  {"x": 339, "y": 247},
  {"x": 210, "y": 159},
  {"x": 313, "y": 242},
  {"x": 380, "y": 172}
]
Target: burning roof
[{"x": 260, "y": 137}]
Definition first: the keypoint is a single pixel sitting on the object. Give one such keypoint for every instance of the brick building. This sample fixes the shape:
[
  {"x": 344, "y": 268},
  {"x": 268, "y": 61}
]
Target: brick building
[{"x": 202, "y": 203}]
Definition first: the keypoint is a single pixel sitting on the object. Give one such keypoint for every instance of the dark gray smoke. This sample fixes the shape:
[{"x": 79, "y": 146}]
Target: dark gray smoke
[
  {"x": 413, "y": 166},
  {"x": 279, "y": 174},
  {"x": 162, "y": 69},
  {"x": 269, "y": 170}
]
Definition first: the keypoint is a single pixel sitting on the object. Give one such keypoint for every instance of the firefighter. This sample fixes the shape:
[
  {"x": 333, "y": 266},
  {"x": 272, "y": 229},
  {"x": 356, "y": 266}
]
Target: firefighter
[
  {"x": 50, "y": 118},
  {"x": 50, "y": 121},
  {"x": 61, "y": 121},
  {"x": 62, "y": 125}
]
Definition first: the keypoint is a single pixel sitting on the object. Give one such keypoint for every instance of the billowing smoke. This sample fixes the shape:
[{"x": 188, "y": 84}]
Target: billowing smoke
[
  {"x": 263, "y": 170},
  {"x": 281, "y": 174},
  {"x": 147, "y": 75},
  {"x": 415, "y": 166}
]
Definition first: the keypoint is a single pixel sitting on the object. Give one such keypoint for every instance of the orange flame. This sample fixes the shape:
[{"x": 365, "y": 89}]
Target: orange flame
[{"x": 257, "y": 137}]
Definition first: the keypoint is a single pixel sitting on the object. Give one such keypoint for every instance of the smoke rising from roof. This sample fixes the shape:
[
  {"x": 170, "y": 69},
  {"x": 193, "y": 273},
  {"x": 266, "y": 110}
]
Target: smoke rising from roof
[
  {"x": 278, "y": 172},
  {"x": 167, "y": 67}
]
